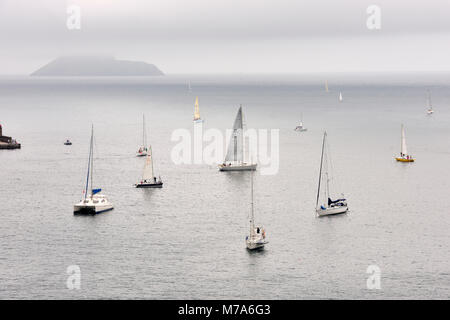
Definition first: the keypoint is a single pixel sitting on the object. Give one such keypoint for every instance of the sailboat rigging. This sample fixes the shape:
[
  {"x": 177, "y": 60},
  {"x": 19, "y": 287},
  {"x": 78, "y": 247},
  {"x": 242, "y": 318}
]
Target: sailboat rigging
[
  {"x": 237, "y": 148},
  {"x": 327, "y": 206},
  {"x": 257, "y": 235},
  {"x": 94, "y": 202}
]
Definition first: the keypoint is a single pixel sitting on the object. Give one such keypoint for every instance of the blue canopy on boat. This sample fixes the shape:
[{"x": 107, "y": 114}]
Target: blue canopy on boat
[{"x": 95, "y": 191}]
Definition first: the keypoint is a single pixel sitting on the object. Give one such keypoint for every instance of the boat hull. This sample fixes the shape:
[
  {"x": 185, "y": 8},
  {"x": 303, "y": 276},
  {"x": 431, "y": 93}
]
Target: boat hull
[
  {"x": 241, "y": 167},
  {"x": 332, "y": 211},
  {"x": 149, "y": 185},
  {"x": 252, "y": 245},
  {"x": 90, "y": 209},
  {"x": 404, "y": 160}
]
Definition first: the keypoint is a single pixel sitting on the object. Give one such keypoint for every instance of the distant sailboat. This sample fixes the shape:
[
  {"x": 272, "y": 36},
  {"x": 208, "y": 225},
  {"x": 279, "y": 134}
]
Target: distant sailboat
[
  {"x": 327, "y": 205},
  {"x": 234, "y": 160},
  {"x": 300, "y": 127},
  {"x": 340, "y": 97},
  {"x": 326, "y": 86},
  {"x": 404, "y": 157},
  {"x": 148, "y": 179},
  {"x": 257, "y": 237},
  {"x": 197, "y": 118},
  {"x": 142, "y": 152},
  {"x": 94, "y": 202},
  {"x": 430, "y": 107}
]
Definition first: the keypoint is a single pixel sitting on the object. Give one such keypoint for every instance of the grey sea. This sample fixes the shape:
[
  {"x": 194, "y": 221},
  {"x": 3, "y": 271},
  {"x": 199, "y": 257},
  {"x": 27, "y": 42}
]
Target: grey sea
[{"x": 187, "y": 240}]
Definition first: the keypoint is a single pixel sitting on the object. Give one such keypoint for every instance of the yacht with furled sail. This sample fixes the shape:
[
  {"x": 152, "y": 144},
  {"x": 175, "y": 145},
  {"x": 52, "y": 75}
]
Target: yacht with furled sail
[
  {"x": 236, "y": 153},
  {"x": 257, "y": 235},
  {"x": 429, "y": 106},
  {"x": 148, "y": 179},
  {"x": 300, "y": 127},
  {"x": 324, "y": 204},
  {"x": 94, "y": 202},
  {"x": 197, "y": 118},
  {"x": 404, "y": 156},
  {"x": 142, "y": 152}
]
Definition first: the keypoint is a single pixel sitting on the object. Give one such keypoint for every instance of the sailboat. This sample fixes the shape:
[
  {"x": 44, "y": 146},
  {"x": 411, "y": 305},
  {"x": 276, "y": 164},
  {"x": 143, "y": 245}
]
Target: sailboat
[
  {"x": 142, "y": 152},
  {"x": 197, "y": 118},
  {"x": 300, "y": 127},
  {"x": 326, "y": 86},
  {"x": 327, "y": 205},
  {"x": 94, "y": 202},
  {"x": 340, "y": 97},
  {"x": 148, "y": 179},
  {"x": 404, "y": 157},
  {"x": 430, "y": 107},
  {"x": 257, "y": 237},
  {"x": 234, "y": 160}
]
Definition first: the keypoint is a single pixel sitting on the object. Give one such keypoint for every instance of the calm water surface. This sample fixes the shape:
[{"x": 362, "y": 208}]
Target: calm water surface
[{"x": 186, "y": 241}]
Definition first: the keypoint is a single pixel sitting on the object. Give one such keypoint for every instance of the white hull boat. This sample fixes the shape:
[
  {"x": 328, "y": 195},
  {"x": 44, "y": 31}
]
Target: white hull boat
[
  {"x": 93, "y": 203},
  {"x": 328, "y": 206},
  {"x": 238, "y": 167},
  {"x": 148, "y": 179},
  {"x": 257, "y": 237},
  {"x": 236, "y": 153}
]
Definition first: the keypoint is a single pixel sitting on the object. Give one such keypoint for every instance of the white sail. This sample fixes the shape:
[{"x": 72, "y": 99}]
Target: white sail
[
  {"x": 404, "y": 151},
  {"x": 196, "y": 110},
  {"x": 326, "y": 86},
  {"x": 235, "y": 151},
  {"x": 148, "y": 167},
  {"x": 340, "y": 96}
]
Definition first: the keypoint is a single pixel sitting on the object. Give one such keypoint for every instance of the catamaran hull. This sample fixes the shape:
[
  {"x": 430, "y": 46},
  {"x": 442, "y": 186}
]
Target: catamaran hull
[
  {"x": 244, "y": 167},
  {"x": 149, "y": 185},
  {"x": 332, "y": 210},
  {"x": 90, "y": 210}
]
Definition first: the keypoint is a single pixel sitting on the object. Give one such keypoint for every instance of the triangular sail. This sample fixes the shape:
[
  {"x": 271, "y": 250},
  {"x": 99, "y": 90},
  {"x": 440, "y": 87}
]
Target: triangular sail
[
  {"x": 148, "y": 167},
  {"x": 340, "y": 96},
  {"x": 404, "y": 151},
  {"x": 196, "y": 110},
  {"x": 235, "y": 151}
]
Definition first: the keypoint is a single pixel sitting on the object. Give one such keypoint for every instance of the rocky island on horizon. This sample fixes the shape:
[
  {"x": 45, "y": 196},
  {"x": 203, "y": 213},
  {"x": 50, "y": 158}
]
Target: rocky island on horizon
[{"x": 91, "y": 66}]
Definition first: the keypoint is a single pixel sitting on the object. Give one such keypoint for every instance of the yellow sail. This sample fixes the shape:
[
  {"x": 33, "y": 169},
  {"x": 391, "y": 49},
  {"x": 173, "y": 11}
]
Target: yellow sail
[{"x": 197, "y": 110}]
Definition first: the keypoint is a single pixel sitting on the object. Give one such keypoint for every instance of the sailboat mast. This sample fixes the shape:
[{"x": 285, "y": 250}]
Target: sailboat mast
[
  {"x": 89, "y": 165},
  {"x": 252, "y": 219},
  {"x": 320, "y": 171},
  {"x": 143, "y": 131},
  {"x": 151, "y": 159},
  {"x": 242, "y": 135}
]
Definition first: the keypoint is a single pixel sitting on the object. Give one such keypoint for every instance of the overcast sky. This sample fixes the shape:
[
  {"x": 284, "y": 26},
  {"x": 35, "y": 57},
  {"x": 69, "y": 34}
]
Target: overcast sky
[{"x": 232, "y": 36}]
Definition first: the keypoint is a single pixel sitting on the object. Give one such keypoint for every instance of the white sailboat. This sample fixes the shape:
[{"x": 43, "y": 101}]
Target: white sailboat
[
  {"x": 92, "y": 203},
  {"x": 300, "y": 127},
  {"x": 430, "y": 107},
  {"x": 142, "y": 152},
  {"x": 148, "y": 179},
  {"x": 340, "y": 97},
  {"x": 326, "y": 86},
  {"x": 234, "y": 160},
  {"x": 257, "y": 235},
  {"x": 327, "y": 206},
  {"x": 404, "y": 156},
  {"x": 197, "y": 118}
]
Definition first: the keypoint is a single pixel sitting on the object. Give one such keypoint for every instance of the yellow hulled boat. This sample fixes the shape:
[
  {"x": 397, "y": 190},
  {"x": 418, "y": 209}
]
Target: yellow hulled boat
[{"x": 404, "y": 157}]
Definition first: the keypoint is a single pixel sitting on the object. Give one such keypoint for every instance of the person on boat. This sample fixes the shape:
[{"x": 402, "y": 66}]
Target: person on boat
[
  {"x": 257, "y": 230},
  {"x": 154, "y": 179}
]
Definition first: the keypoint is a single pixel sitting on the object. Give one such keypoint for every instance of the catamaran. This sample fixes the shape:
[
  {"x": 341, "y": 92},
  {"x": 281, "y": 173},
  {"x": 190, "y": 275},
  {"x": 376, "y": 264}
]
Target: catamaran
[
  {"x": 340, "y": 97},
  {"x": 148, "y": 179},
  {"x": 142, "y": 152},
  {"x": 235, "y": 158},
  {"x": 327, "y": 205},
  {"x": 300, "y": 127},
  {"x": 92, "y": 203},
  {"x": 404, "y": 156},
  {"x": 197, "y": 118},
  {"x": 257, "y": 237},
  {"x": 430, "y": 107}
]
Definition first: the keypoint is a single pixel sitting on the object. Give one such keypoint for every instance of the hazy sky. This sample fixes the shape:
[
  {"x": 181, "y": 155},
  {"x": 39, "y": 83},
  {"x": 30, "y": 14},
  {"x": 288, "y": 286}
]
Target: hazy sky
[{"x": 215, "y": 36}]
